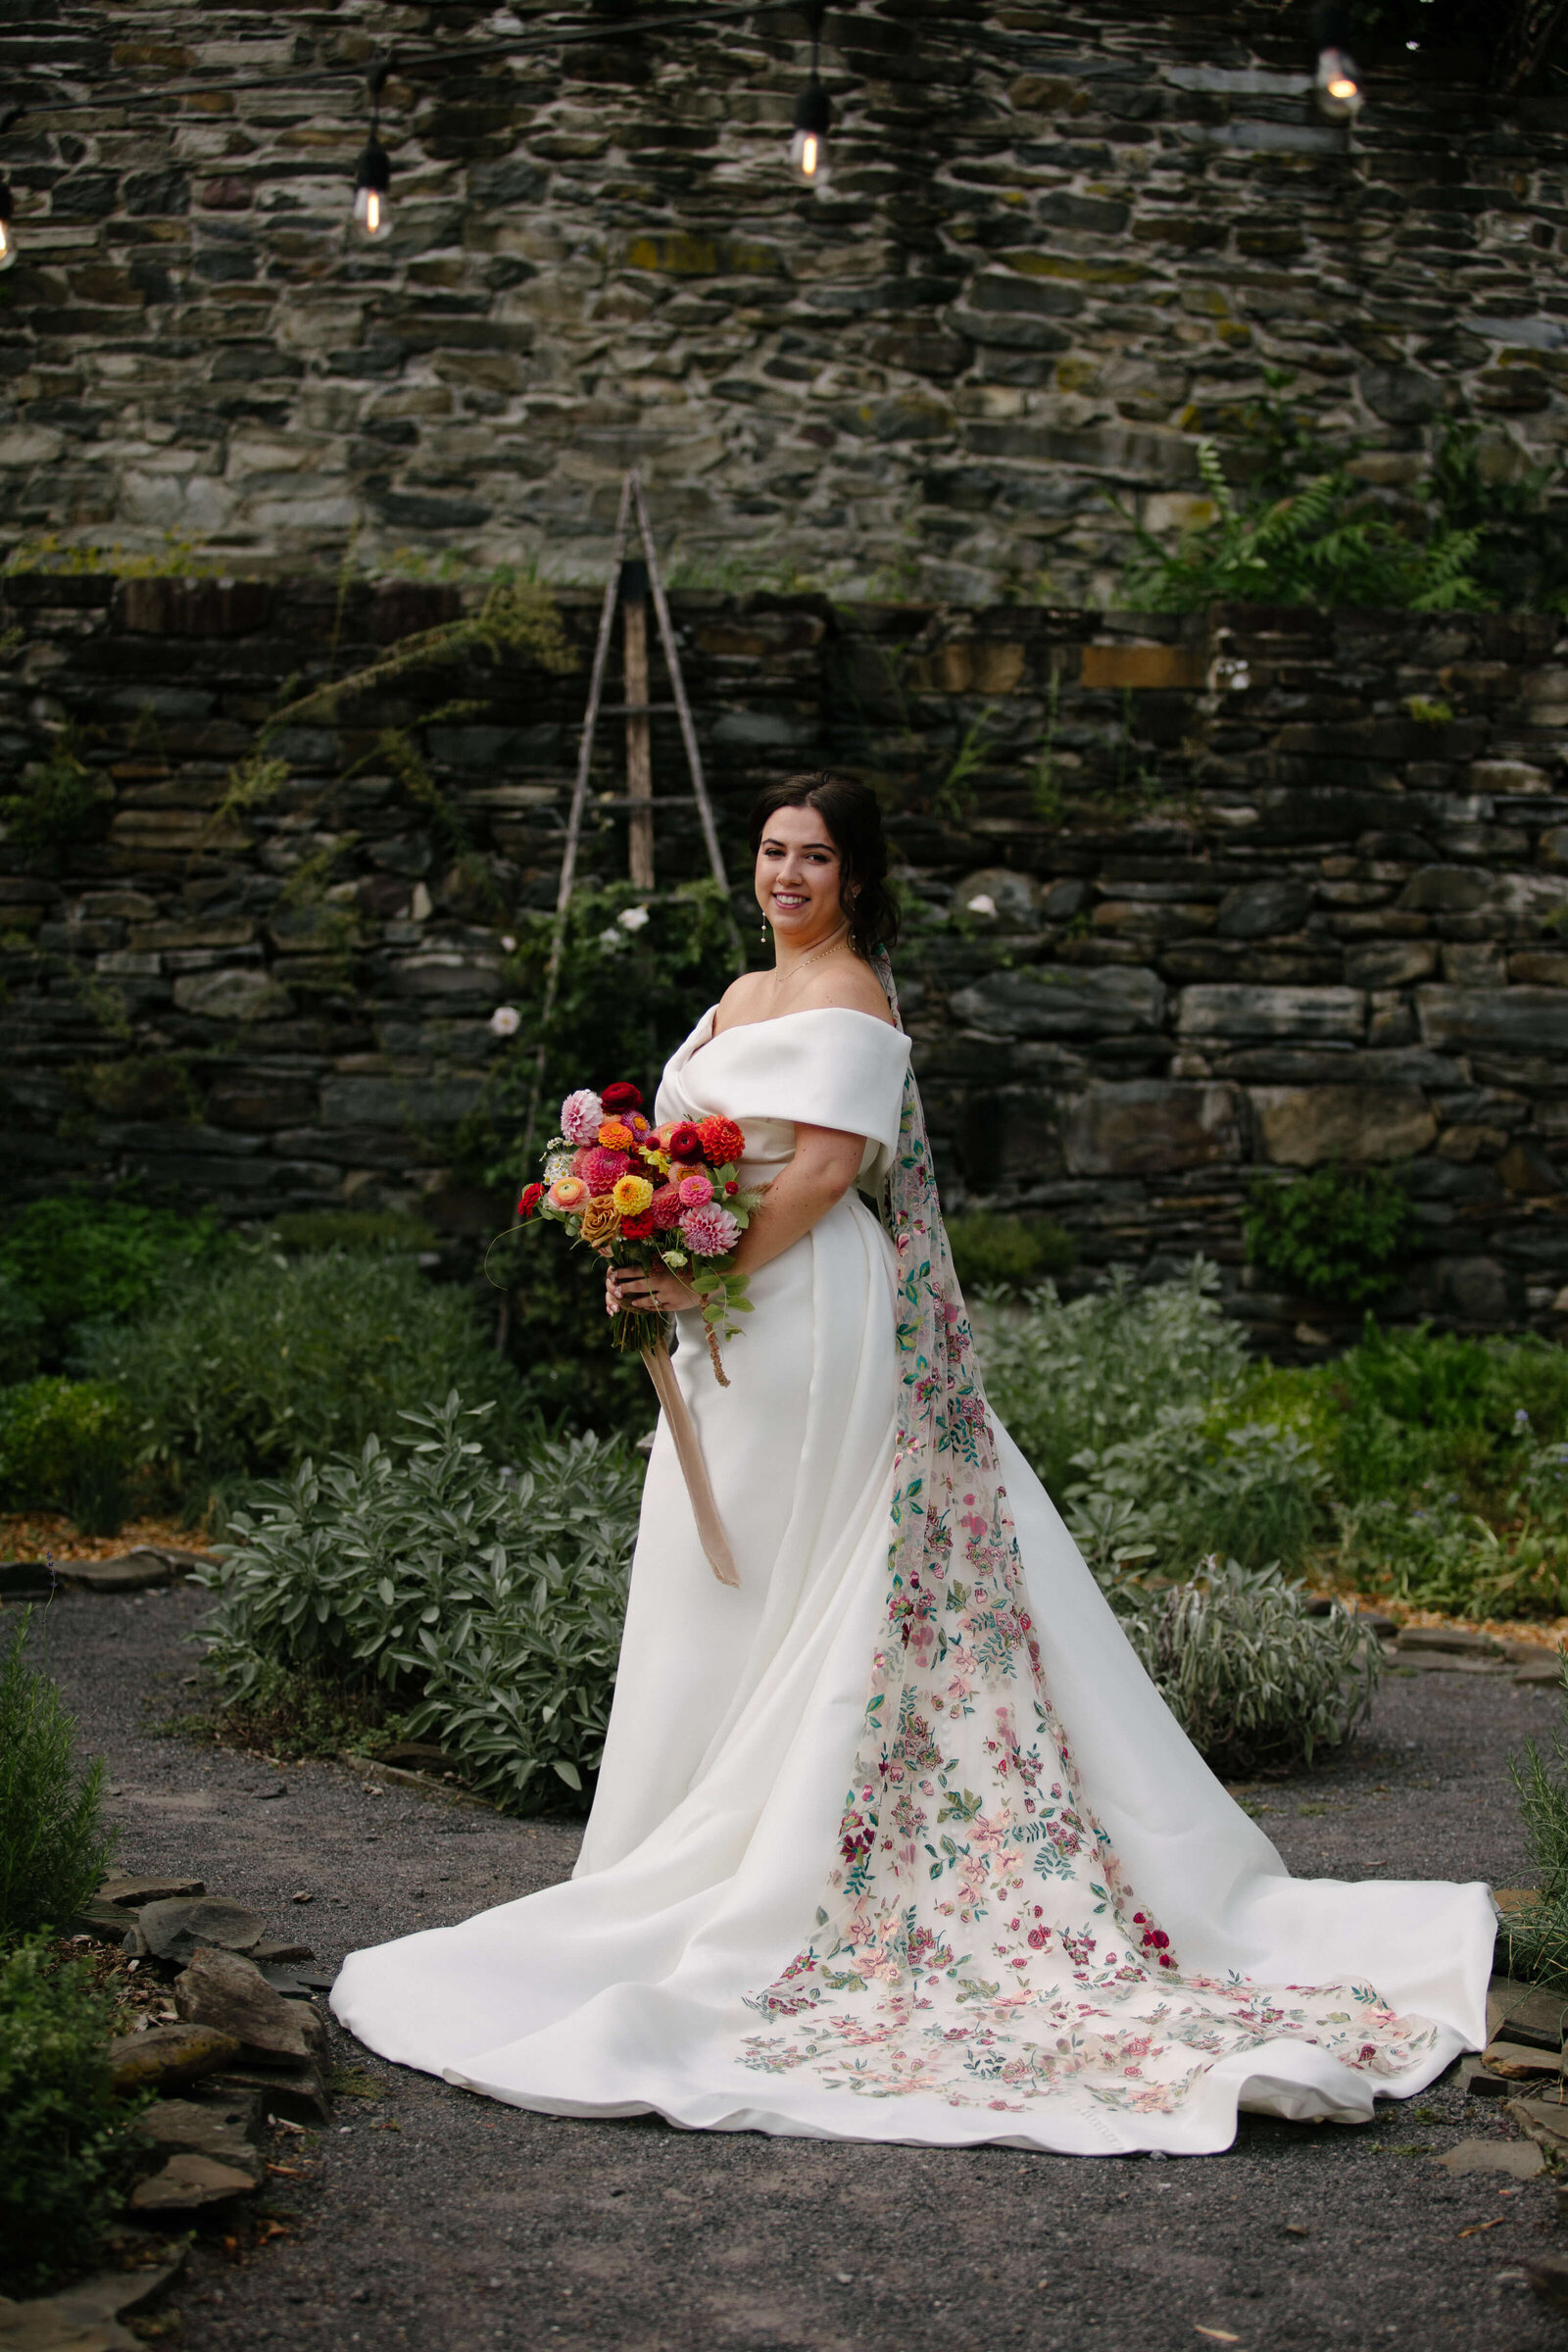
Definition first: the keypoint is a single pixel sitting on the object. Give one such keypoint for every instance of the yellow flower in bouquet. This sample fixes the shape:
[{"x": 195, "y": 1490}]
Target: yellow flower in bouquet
[
  {"x": 601, "y": 1219},
  {"x": 631, "y": 1195}
]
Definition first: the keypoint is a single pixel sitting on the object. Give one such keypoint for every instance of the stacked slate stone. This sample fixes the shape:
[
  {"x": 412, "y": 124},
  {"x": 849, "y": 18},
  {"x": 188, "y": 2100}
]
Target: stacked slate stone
[
  {"x": 1061, "y": 243},
  {"x": 1188, "y": 904}
]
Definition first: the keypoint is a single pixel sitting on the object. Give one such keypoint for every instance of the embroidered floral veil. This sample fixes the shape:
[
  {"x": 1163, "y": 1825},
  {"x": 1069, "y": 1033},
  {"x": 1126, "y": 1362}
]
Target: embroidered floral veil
[{"x": 975, "y": 1939}]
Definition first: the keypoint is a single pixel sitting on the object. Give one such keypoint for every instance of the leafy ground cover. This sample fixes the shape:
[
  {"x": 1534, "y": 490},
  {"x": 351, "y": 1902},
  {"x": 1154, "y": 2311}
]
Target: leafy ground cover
[
  {"x": 410, "y": 1585},
  {"x": 1419, "y": 1465}
]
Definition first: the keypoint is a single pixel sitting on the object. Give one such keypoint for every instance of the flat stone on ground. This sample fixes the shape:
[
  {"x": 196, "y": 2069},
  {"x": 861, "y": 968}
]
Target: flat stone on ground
[
  {"x": 227, "y": 1990},
  {"x": 138, "y": 1571},
  {"x": 203, "y": 2127},
  {"x": 1516, "y": 2157},
  {"x": 169, "y": 2055},
  {"x": 131, "y": 1893},
  {"x": 176, "y": 1930},
  {"x": 297, "y": 2093},
  {"x": 187, "y": 2182},
  {"x": 50, "y": 2326}
]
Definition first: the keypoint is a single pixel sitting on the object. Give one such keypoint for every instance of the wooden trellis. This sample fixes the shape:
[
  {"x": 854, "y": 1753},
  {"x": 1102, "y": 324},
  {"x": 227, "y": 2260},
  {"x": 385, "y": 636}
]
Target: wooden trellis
[{"x": 631, "y": 584}]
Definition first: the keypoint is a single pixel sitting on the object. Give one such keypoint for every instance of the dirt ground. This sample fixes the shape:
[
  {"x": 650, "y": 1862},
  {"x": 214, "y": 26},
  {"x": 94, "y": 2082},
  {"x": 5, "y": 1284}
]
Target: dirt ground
[{"x": 430, "y": 2218}]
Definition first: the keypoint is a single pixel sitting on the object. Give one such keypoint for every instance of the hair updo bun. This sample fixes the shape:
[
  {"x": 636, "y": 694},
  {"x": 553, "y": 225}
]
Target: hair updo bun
[{"x": 851, "y": 812}]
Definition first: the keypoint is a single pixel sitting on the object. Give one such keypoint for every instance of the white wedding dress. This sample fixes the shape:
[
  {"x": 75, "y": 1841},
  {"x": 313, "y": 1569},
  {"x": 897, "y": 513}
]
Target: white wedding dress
[{"x": 1068, "y": 1938}]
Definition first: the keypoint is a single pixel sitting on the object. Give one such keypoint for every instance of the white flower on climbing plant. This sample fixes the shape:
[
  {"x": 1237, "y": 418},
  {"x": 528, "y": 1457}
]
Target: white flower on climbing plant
[
  {"x": 985, "y": 904},
  {"x": 508, "y": 943},
  {"x": 633, "y": 919},
  {"x": 504, "y": 1022}
]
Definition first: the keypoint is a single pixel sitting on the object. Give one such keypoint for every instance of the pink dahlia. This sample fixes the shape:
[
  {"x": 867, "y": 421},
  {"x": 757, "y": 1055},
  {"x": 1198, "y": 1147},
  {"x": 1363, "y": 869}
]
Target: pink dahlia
[
  {"x": 696, "y": 1191},
  {"x": 708, "y": 1232},
  {"x": 604, "y": 1169},
  {"x": 665, "y": 1207},
  {"x": 580, "y": 1116}
]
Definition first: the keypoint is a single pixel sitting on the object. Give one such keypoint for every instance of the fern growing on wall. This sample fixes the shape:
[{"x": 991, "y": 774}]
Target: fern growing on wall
[{"x": 1315, "y": 545}]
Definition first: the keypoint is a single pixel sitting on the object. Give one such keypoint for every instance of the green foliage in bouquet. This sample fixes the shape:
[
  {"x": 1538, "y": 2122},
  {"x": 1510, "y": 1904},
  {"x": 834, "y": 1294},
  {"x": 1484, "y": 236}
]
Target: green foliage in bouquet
[
  {"x": 1341, "y": 1235},
  {"x": 55, "y": 1846},
  {"x": 67, "y": 2144},
  {"x": 487, "y": 1613}
]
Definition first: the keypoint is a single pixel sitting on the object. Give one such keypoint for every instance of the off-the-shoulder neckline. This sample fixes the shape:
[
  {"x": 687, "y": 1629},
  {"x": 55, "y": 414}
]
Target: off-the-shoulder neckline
[{"x": 807, "y": 1012}]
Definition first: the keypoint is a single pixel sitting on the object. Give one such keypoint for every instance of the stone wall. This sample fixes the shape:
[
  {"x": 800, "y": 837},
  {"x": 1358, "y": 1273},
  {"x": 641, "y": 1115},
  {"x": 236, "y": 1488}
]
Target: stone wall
[
  {"x": 1061, "y": 243},
  {"x": 1187, "y": 902}
]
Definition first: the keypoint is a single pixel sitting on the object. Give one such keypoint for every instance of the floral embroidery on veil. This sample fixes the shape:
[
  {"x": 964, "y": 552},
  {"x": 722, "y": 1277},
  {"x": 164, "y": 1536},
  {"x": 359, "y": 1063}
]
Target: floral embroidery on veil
[{"x": 976, "y": 1939}]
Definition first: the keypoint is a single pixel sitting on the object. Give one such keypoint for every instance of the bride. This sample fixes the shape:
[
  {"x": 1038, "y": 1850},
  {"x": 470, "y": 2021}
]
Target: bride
[{"x": 895, "y": 1839}]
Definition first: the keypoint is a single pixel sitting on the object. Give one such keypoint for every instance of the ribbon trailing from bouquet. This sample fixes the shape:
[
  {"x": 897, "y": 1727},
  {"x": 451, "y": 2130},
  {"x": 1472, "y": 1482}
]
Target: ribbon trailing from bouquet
[{"x": 689, "y": 1454}]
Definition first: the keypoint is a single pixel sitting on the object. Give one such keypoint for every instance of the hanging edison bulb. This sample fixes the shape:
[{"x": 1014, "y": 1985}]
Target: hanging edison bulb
[
  {"x": 372, "y": 210},
  {"x": 1337, "y": 83},
  {"x": 813, "y": 115},
  {"x": 8, "y": 242},
  {"x": 372, "y": 177},
  {"x": 808, "y": 155}
]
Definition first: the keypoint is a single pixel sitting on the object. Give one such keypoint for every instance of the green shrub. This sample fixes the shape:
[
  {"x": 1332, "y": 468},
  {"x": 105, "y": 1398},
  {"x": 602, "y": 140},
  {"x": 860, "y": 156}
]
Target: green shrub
[
  {"x": 1339, "y": 1235},
  {"x": 54, "y": 1845},
  {"x": 1103, "y": 1368},
  {"x": 310, "y": 1230},
  {"x": 1130, "y": 1405},
  {"x": 22, "y": 1326},
  {"x": 1255, "y": 1682},
  {"x": 488, "y": 1612},
  {"x": 66, "y": 1446},
  {"x": 1010, "y": 1253},
  {"x": 81, "y": 1259},
  {"x": 1533, "y": 1942},
  {"x": 67, "y": 2145},
  {"x": 633, "y": 963},
  {"x": 244, "y": 1370}
]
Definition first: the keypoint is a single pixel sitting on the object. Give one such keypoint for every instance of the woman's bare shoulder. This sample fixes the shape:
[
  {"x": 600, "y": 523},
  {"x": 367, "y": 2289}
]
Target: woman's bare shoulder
[
  {"x": 742, "y": 1001},
  {"x": 848, "y": 988}
]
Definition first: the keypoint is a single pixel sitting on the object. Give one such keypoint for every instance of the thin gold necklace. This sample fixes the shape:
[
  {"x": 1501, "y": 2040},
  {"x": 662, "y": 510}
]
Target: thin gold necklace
[{"x": 811, "y": 956}]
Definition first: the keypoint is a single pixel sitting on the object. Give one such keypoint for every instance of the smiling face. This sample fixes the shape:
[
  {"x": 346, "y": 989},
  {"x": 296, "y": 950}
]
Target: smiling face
[{"x": 799, "y": 871}]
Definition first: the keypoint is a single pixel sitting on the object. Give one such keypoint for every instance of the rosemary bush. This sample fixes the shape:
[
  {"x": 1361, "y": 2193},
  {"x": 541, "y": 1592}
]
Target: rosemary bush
[
  {"x": 67, "y": 2144},
  {"x": 1535, "y": 1942},
  {"x": 486, "y": 1613},
  {"x": 55, "y": 1846}
]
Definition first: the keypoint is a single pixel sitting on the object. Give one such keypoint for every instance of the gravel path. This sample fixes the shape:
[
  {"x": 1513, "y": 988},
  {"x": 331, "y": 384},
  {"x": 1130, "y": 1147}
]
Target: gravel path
[{"x": 433, "y": 2219}]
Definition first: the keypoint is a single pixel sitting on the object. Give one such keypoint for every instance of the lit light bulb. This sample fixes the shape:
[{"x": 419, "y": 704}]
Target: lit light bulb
[
  {"x": 1340, "y": 95},
  {"x": 809, "y": 158},
  {"x": 814, "y": 118},
  {"x": 373, "y": 213}
]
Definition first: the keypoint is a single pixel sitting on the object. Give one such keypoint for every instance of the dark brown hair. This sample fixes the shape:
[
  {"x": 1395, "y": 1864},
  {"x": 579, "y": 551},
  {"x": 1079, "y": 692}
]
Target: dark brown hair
[{"x": 851, "y": 813}]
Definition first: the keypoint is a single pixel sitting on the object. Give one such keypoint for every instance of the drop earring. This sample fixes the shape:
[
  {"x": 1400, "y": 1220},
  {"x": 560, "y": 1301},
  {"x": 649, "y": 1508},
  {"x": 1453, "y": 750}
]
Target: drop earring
[{"x": 761, "y": 931}]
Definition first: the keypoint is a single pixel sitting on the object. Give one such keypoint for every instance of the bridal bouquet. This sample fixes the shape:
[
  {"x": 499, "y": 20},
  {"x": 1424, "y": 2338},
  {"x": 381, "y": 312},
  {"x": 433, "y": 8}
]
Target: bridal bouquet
[{"x": 647, "y": 1196}]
